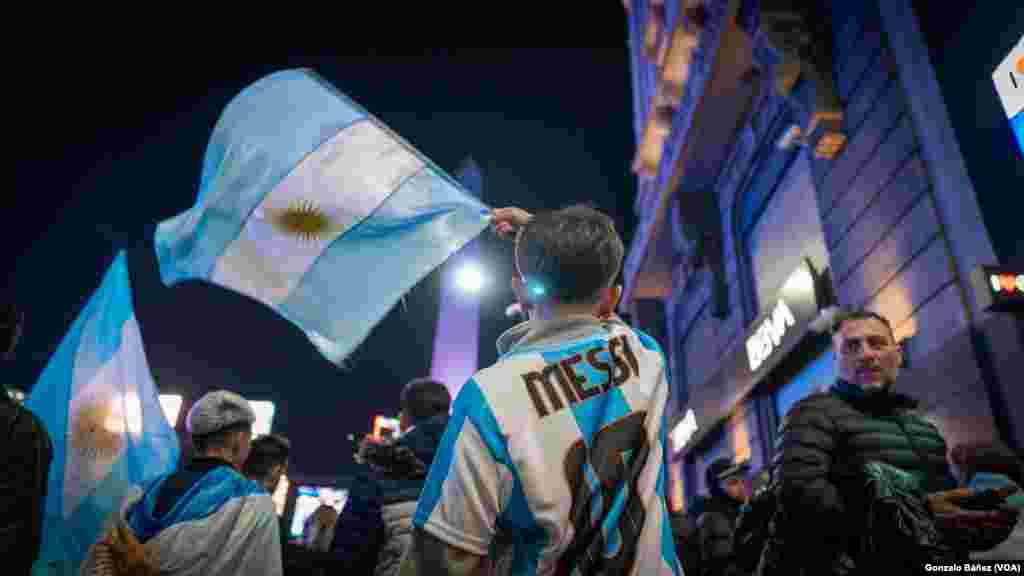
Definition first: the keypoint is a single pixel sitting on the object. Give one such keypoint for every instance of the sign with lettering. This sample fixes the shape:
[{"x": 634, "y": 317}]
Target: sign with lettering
[
  {"x": 767, "y": 337},
  {"x": 1009, "y": 80},
  {"x": 770, "y": 338},
  {"x": 572, "y": 380},
  {"x": 682, "y": 431}
]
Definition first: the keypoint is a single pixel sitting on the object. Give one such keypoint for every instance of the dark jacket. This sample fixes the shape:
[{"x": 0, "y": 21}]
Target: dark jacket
[
  {"x": 715, "y": 529},
  {"x": 825, "y": 442},
  {"x": 25, "y": 457},
  {"x": 371, "y": 529},
  {"x": 686, "y": 536},
  {"x": 753, "y": 528}
]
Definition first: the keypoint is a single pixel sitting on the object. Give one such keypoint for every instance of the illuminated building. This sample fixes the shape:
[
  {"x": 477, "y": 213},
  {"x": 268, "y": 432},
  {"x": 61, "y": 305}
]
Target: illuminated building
[{"x": 791, "y": 160}]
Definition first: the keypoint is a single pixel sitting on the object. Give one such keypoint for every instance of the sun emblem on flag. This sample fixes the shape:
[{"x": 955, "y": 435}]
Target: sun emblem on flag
[
  {"x": 97, "y": 429},
  {"x": 303, "y": 219}
]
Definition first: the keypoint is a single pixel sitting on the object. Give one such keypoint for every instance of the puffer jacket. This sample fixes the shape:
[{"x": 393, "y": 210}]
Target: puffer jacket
[
  {"x": 716, "y": 528},
  {"x": 825, "y": 442},
  {"x": 687, "y": 541},
  {"x": 374, "y": 530},
  {"x": 899, "y": 533}
]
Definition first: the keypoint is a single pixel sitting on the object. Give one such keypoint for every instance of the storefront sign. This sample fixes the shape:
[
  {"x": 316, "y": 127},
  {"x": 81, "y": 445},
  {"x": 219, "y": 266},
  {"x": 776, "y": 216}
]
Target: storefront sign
[
  {"x": 771, "y": 330},
  {"x": 684, "y": 430},
  {"x": 767, "y": 337},
  {"x": 998, "y": 289},
  {"x": 1009, "y": 81},
  {"x": 772, "y": 336}
]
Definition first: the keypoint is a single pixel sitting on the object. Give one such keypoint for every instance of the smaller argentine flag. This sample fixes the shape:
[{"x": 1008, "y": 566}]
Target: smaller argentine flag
[
  {"x": 315, "y": 208},
  {"x": 99, "y": 403}
]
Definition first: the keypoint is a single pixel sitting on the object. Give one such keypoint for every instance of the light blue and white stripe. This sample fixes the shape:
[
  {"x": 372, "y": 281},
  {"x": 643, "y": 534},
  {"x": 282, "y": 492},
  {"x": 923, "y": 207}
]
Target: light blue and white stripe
[
  {"x": 99, "y": 403},
  {"x": 382, "y": 216}
]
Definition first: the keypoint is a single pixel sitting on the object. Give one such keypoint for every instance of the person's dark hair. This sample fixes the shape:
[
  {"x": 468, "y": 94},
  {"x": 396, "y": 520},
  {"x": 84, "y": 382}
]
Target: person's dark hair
[
  {"x": 861, "y": 315},
  {"x": 219, "y": 439},
  {"x": 266, "y": 452},
  {"x": 573, "y": 252},
  {"x": 993, "y": 458},
  {"x": 424, "y": 398}
]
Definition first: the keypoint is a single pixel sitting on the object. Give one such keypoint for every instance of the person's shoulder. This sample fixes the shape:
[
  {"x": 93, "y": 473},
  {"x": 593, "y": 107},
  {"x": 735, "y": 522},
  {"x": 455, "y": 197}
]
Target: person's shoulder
[
  {"x": 261, "y": 501},
  {"x": 232, "y": 484},
  {"x": 18, "y": 413},
  {"x": 814, "y": 407},
  {"x": 509, "y": 367},
  {"x": 715, "y": 514},
  {"x": 717, "y": 505},
  {"x": 24, "y": 423},
  {"x": 647, "y": 342},
  {"x": 820, "y": 400},
  {"x": 641, "y": 345}
]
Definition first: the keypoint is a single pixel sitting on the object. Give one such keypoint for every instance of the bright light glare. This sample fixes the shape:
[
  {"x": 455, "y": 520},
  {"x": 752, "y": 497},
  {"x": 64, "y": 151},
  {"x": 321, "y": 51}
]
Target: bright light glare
[
  {"x": 124, "y": 414},
  {"x": 114, "y": 422},
  {"x": 264, "y": 417},
  {"x": 470, "y": 278},
  {"x": 381, "y": 423},
  {"x": 171, "y": 403},
  {"x": 800, "y": 281}
]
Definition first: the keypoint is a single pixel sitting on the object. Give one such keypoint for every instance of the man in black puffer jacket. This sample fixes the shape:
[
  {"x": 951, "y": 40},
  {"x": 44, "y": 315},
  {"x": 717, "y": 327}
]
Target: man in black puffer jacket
[
  {"x": 827, "y": 438},
  {"x": 374, "y": 530},
  {"x": 729, "y": 488}
]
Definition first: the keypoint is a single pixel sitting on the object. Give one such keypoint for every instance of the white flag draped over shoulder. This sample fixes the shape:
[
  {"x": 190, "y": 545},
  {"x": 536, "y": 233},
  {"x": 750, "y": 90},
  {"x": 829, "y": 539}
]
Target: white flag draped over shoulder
[
  {"x": 99, "y": 403},
  {"x": 315, "y": 208}
]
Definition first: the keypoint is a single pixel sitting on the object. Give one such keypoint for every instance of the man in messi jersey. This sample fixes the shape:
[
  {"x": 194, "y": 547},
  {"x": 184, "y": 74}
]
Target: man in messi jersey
[{"x": 552, "y": 461}]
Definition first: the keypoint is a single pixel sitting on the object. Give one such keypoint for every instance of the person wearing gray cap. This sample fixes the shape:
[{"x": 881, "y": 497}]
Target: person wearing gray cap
[
  {"x": 729, "y": 488},
  {"x": 207, "y": 518}
]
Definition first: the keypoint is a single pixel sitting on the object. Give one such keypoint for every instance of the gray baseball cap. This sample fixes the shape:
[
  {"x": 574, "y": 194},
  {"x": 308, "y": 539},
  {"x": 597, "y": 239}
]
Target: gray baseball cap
[{"x": 216, "y": 411}]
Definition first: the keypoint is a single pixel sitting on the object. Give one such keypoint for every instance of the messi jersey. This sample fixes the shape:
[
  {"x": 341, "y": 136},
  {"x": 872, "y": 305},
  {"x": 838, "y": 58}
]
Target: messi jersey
[{"x": 558, "y": 452}]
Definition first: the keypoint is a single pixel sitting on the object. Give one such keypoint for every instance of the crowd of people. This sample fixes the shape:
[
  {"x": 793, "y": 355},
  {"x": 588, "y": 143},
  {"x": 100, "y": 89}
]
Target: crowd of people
[{"x": 552, "y": 461}]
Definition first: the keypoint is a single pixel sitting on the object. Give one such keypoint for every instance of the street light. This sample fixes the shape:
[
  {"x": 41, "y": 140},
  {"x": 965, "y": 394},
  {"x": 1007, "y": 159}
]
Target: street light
[{"x": 470, "y": 278}]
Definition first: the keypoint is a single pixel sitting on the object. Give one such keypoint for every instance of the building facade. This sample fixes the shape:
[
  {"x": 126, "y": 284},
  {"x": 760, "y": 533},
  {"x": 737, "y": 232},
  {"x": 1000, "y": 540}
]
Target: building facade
[{"x": 793, "y": 159}]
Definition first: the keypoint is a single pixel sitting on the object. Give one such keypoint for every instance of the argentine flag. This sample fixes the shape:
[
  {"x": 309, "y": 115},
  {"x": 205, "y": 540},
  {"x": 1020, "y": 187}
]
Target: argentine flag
[
  {"x": 315, "y": 208},
  {"x": 100, "y": 405}
]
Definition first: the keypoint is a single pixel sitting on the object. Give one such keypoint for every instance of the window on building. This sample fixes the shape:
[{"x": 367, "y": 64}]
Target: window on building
[
  {"x": 784, "y": 227},
  {"x": 817, "y": 376}
]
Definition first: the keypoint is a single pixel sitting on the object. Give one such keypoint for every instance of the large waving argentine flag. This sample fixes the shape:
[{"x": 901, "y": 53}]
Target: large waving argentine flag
[
  {"x": 315, "y": 208},
  {"x": 100, "y": 405}
]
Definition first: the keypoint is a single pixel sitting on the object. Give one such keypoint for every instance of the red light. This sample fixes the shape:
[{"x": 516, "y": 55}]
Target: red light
[{"x": 1008, "y": 283}]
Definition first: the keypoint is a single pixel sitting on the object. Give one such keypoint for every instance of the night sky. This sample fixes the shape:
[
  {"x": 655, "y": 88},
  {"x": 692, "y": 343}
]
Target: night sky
[{"x": 113, "y": 150}]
